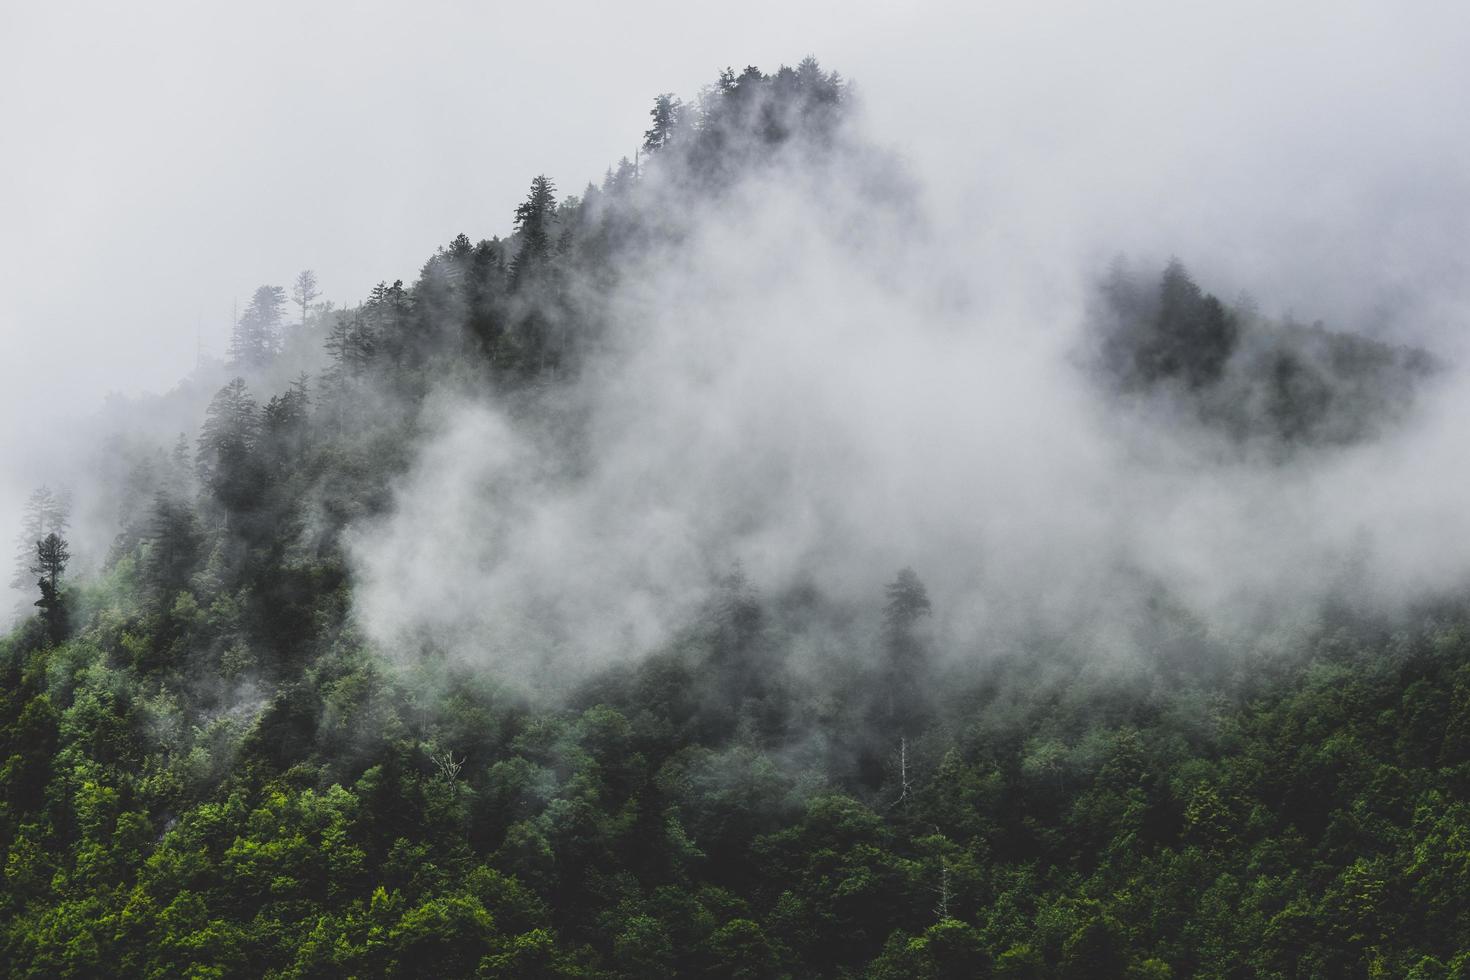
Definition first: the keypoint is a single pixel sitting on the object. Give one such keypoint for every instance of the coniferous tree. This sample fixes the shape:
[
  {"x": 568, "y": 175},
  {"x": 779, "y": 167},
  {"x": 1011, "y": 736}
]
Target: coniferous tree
[
  {"x": 180, "y": 473},
  {"x": 138, "y": 486},
  {"x": 1196, "y": 335},
  {"x": 47, "y": 511},
  {"x": 810, "y": 77},
  {"x": 59, "y": 517},
  {"x": 533, "y": 349},
  {"x": 52, "y": 555},
  {"x": 351, "y": 345},
  {"x": 33, "y": 529},
  {"x": 256, "y": 338},
  {"x": 908, "y": 601},
  {"x": 1192, "y": 335},
  {"x": 304, "y": 292},
  {"x": 338, "y": 346},
  {"x": 1176, "y": 333},
  {"x": 386, "y": 318},
  {"x": 175, "y": 544},
  {"x": 620, "y": 179},
  {"x": 225, "y": 460},
  {"x": 284, "y": 426},
  {"x": 484, "y": 287},
  {"x": 738, "y": 613},
  {"x": 821, "y": 97},
  {"x": 667, "y": 113},
  {"x": 906, "y": 668},
  {"x": 439, "y": 295},
  {"x": 533, "y": 222}
]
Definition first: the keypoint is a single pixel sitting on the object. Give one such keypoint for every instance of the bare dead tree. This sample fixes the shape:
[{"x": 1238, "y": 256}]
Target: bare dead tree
[
  {"x": 304, "y": 292},
  {"x": 447, "y": 764},
  {"x": 942, "y": 908},
  {"x": 903, "y": 772}
]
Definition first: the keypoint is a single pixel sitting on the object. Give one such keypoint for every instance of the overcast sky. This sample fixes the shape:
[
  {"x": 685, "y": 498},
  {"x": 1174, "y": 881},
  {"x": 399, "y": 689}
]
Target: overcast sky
[{"x": 160, "y": 160}]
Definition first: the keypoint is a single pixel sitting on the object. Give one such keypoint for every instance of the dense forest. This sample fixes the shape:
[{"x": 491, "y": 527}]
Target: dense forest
[{"x": 211, "y": 767}]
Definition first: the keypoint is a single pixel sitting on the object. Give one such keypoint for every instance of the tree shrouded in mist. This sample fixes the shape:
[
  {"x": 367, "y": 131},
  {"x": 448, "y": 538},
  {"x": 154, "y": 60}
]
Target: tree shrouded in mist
[
  {"x": 176, "y": 540},
  {"x": 666, "y": 115},
  {"x": 1244, "y": 374},
  {"x": 256, "y": 338},
  {"x": 284, "y": 428},
  {"x": 304, "y": 292},
  {"x": 350, "y": 345},
  {"x": 1195, "y": 335},
  {"x": 51, "y": 557},
  {"x": 226, "y": 459},
  {"x": 1180, "y": 333},
  {"x": 908, "y": 601},
  {"x": 47, "y": 511},
  {"x": 533, "y": 219},
  {"x": 906, "y": 665}
]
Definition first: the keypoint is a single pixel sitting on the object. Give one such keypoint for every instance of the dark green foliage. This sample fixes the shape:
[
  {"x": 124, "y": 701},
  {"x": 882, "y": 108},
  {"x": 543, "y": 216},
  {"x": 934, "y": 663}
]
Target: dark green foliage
[
  {"x": 285, "y": 429},
  {"x": 418, "y": 822},
  {"x": 51, "y": 557},
  {"x": 226, "y": 459},
  {"x": 1249, "y": 377}
]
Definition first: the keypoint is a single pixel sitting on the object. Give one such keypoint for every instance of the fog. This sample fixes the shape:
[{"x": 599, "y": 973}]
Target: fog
[
  {"x": 795, "y": 395},
  {"x": 823, "y": 386}
]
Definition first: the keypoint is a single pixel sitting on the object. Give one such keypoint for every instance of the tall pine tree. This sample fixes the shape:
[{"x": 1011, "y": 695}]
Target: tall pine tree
[{"x": 533, "y": 223}]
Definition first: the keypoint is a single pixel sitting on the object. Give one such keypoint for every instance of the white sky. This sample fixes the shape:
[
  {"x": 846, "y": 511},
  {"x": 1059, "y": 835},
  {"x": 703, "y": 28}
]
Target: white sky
[{"x": 159, "y": 160}]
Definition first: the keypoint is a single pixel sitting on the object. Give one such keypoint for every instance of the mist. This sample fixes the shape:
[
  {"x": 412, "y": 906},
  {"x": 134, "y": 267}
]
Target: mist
[{"x": 823, "y": 382}]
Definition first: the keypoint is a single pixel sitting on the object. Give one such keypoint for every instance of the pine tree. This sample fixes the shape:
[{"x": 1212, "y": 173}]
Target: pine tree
[
  {"x": 226, "y": 456},
  {"x": 256, "y": 338},
  {"x": 179, "y": 481},
  {"x": 33, "y": 529},
  {"x": 337, "y": 345},
  {"x": 460, "y": 249},
  {"x": 46, "y": 512},
  {"x": 620, "y": 179},
  {"x": 1193, "y": 334},
  {"x": 908, "y": 600},
  {"x": 905, "y": 672},
  {"x": 175, "y": 544},
  {"x": 52, "y": 555},
  {"x": 533, "y": 223},
  {"x": 667, "y": 113},
  {"x": 351, "y": 344},
  {"x": 737, "y": 614},
  {"x": 284, "y": 427}
]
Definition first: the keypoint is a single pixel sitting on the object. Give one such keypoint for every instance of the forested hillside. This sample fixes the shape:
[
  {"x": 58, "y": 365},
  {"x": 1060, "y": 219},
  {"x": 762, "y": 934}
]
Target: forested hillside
[{"x": 353, "y": 689}]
